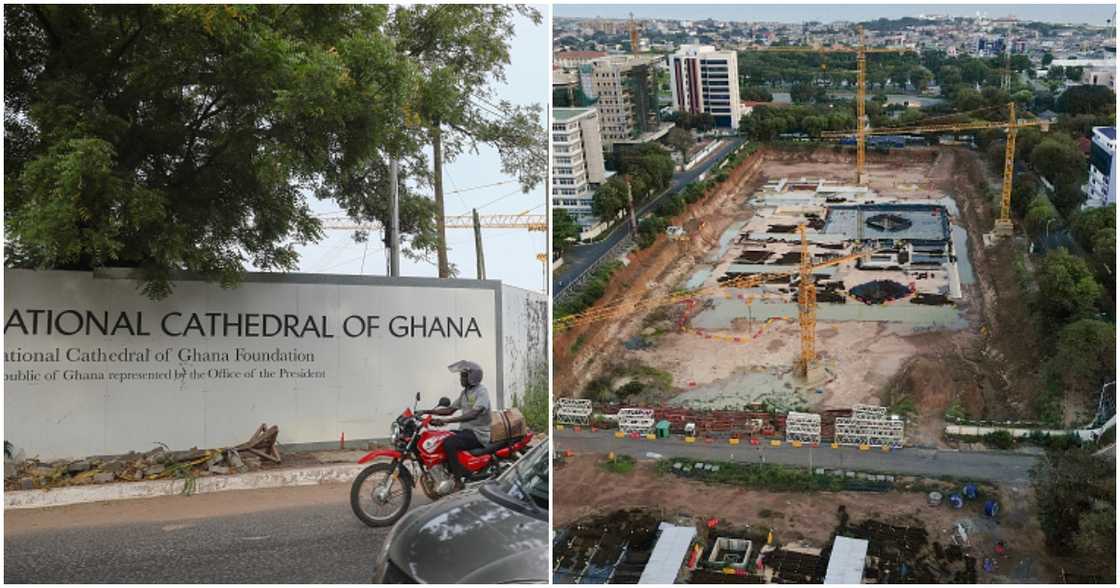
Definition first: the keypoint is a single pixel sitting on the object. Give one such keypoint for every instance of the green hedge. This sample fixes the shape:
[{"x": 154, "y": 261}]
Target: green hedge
[{"x": 589, "y": 292}]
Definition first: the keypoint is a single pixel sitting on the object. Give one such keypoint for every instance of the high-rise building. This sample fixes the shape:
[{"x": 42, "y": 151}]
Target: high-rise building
[
  {"x": 577, "y": 161},
  {"x": 625, "y": 90},
  {"x": 1101, "y": 188},
  {"x": 705, "y": 80}
]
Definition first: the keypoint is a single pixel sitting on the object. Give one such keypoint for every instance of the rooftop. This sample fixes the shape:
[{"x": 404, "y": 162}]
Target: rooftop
[
  {"x": 562, "y": 114},
  {"x": 845, "y": 565},
  {"x": 578, "y": 54},
  {"x": 668, "y": 554}
]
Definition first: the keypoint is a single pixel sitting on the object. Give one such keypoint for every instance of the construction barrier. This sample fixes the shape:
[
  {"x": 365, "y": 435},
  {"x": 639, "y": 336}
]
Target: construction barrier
[
  {"x": 573, "y": 411},
  {"x": 636, "y": 420}
]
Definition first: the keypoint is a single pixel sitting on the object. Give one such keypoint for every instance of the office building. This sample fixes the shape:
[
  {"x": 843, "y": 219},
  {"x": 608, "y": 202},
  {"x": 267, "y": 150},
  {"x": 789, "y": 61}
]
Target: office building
[
  {"x": 704, "y": 80},
  {"x": 577, "y": 161}
]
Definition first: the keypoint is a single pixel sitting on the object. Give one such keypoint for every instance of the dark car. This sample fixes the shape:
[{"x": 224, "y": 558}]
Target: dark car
[{"x": 494, "y": 533}]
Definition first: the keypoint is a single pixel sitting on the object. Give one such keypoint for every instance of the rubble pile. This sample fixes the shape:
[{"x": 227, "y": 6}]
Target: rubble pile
[{"x": 159, "y": 463}]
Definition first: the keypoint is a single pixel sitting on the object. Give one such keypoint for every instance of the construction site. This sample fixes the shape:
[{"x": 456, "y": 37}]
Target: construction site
[
  {"x": 907, "y": 303},
  {"x": 663, "y": 523},
  {"x": 814, "y": 298}
]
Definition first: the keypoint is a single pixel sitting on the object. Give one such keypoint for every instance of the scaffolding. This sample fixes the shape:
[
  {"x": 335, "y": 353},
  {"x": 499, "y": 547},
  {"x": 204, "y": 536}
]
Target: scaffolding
[
  {"x": 573, "y": 411},
  {"x": 804, "y": 427},
  {"x": 869, "y": 411},
  {"x": 870, "y": 425},
  {"x": 636, "y": 420}
]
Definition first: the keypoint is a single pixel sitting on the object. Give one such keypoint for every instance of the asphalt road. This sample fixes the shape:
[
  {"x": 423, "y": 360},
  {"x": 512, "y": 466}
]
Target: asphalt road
[
  {"x": 289, "y": 535},
  {"x": 581, "y": 257},
  {"x": 1000, "y": 467}
]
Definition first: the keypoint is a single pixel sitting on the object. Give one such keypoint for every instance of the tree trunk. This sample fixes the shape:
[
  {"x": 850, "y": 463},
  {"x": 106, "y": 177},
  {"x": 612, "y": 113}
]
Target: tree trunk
[{"x": 441, "y": 229}]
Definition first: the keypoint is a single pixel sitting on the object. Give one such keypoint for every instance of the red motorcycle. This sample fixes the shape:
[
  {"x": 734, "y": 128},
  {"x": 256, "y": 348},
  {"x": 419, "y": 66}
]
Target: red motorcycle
[{"x": 382, "y": 492}]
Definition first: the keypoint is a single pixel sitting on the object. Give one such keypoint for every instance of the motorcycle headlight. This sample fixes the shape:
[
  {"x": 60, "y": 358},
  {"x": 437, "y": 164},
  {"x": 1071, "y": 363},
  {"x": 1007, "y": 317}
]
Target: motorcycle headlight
[{"x": 396, "y": 431}]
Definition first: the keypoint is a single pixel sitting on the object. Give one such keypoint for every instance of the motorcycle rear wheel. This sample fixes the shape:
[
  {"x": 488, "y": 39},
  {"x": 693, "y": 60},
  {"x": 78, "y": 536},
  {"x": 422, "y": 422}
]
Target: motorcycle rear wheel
[{"x": 379, "y": 471}]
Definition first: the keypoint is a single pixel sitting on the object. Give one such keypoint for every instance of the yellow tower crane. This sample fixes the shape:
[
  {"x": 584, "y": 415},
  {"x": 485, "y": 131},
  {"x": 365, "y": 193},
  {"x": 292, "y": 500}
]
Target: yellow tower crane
[
  {"x": 531, "y": 222},
  {"x": 1003, "y": 226},
  {"x": 633, "y": 35},
  {"x": 861, "y": 52},
  {"x": 524, "y": 220},
  {"x": 806, "y": 298}
]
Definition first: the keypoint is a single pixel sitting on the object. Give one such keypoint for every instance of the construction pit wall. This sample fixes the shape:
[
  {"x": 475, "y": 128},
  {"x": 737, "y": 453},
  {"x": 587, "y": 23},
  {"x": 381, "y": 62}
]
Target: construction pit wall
[{"x": 913, "y": 264}]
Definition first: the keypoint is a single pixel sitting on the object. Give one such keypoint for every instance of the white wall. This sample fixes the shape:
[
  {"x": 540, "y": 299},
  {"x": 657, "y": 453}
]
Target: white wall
[
  {"x": 524, "y": 340},
  {"x": 362, "y": 384}
]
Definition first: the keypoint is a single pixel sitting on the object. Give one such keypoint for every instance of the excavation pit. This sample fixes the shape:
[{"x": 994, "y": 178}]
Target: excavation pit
[{"x": 879, "y": 291}]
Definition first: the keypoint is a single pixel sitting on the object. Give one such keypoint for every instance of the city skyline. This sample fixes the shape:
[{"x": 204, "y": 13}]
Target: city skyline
[{"x": 1090, "y": 14}]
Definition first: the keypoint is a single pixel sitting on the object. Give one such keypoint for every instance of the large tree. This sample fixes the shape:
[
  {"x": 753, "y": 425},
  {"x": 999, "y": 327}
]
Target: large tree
[
  {"x": 462, "y": 51},
  {"x": 1058, "y": 158},
  {"x": 189, "y": 137},
  {"x": 1087, "y": 99},
  {"x": 1067, "y": 290},
  {"x": 1084, "y": 358},
  {"x": 681, "y": 141},
  {"x": 186, "y": 137},
  {"x": 565, "y": 230},
  {"x": 1076, "y": 496}
]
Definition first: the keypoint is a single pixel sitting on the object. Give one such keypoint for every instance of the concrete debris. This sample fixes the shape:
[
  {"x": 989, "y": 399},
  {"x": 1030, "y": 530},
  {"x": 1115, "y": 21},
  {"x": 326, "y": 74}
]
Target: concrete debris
[
  {"x": 235, "y": 462},
  {"x": 78, "y": 467},
  {"x": 114, "y": 467},
  {"x": 159, "y": 462}
]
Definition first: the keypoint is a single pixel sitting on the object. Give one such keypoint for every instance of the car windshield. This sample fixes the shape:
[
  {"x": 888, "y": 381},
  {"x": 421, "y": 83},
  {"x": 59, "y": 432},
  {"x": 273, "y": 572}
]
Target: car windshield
[{"x": 527, "y": 480}]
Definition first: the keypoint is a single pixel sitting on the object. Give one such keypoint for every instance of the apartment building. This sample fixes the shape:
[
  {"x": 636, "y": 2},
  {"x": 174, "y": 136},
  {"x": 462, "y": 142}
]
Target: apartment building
[
  {"x": 704, "y": 80},
  {"x": 577, "y": 161},
  {"x": 1101, "y": 187},
  {"x": 625, "y": 87}
]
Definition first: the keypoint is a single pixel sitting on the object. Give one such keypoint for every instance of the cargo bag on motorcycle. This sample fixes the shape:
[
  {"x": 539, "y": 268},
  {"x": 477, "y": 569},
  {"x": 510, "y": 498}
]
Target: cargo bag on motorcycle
[{"x": 506, "y": 424}]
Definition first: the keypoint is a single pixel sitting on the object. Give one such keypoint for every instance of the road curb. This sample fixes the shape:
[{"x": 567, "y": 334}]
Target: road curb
[{"x": 310, "y": 476}]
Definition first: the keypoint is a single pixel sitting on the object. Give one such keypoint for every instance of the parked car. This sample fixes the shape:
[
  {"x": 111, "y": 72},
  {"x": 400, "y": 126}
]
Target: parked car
[{"x": 494, "y": 533}]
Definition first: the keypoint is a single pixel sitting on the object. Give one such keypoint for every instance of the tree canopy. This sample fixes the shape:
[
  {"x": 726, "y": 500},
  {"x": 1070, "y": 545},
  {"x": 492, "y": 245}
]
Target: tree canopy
[
  {"x": 1076, "y": 495},
  {"x": 1087, "y": 99},
  {"x": 189, "y": 137},
  {"x": 1067, "y": 288}
]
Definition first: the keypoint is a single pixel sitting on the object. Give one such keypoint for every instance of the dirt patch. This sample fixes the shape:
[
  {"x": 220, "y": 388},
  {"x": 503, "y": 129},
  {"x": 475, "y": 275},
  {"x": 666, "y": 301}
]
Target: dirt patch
[
  {"x": 585, "y": 490},
  {"x": 652, "y": 272},
  {"x": 1007, "y": 350}
]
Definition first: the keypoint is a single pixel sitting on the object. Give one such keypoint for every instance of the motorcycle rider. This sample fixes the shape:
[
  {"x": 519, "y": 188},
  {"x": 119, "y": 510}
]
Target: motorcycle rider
[{"x": 474, "y": 406}]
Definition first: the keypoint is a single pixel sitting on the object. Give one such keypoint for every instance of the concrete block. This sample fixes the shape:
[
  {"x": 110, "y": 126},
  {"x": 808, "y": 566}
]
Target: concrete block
[
  {"x": 104, "y": 477},
  {"x": 154, "y": 470},
  {"x": 27, "y": 483}
]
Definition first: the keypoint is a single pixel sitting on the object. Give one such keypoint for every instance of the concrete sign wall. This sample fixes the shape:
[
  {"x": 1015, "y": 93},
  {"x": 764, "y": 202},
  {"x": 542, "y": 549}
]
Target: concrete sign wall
[
  {"x": 91, "y": 366},
  {"x": 524, "y": 340}
]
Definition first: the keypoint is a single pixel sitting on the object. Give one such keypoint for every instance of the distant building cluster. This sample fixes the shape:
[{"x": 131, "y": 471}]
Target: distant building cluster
[{"x": 618, "y": 83}]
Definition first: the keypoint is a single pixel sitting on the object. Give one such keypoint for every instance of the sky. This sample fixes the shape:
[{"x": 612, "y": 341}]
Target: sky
[
  {"x": 793, "y": 13},
  {"x": 510, "y": 253}
]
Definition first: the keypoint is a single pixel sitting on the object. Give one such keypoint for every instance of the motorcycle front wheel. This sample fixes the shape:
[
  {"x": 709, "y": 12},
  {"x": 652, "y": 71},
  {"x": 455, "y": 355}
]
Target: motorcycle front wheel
[{"x": 377, "y": 503}]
